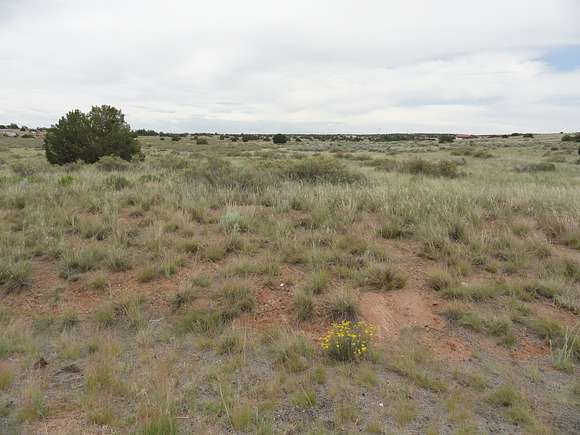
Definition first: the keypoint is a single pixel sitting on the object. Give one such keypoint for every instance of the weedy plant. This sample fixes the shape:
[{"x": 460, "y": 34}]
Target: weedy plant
[
  {"x": 348, "y": 341},
  {"x": 562, "y": 356}
]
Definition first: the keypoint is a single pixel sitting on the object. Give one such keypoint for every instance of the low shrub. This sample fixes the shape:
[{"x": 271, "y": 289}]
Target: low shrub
[{"x": 347, "y": 341}]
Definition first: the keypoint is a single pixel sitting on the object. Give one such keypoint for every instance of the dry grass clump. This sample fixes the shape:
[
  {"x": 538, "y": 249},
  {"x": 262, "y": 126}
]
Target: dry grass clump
[
  {"x": 319, "y": 170},
  {"x": 303, "y": 304},
  {"x": 418, "y": 166},
  {"x": 14, "y": 275},
  {"x": 442, "y": 168},
  {"x": 440, "y": 279},
  {"x": 342, "y": 305},
  {"x": 385, "y": 278}
]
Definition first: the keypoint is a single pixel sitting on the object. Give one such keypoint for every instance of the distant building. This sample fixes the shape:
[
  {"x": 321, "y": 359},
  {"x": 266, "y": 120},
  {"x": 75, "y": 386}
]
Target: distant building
[{"x": 465, "y": 136}]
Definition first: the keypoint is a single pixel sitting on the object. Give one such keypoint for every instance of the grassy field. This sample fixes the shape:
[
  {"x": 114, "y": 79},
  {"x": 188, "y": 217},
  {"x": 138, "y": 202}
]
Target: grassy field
[{"x": 190, "y": 292}]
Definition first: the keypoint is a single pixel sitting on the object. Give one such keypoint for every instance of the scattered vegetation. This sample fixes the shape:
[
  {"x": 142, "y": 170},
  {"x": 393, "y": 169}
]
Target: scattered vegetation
[{"x": 222, "y": 283}]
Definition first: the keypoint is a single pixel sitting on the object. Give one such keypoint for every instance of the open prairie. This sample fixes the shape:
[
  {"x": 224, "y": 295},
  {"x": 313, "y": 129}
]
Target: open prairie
[{"x": 206, "y": 288}]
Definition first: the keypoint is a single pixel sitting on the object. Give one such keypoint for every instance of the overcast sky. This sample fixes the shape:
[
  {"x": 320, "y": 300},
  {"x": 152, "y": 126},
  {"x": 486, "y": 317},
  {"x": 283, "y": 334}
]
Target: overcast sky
[{"x": 297, "y": 65}]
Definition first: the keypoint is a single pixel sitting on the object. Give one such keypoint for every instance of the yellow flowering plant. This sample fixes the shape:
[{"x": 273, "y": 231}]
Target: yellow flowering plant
[{"x": 347, "y": 341}]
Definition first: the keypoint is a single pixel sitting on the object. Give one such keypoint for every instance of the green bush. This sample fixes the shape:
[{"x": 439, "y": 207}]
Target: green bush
[
  {"x": 88, "y": 137},
  {"x": 279, "y": 139}
]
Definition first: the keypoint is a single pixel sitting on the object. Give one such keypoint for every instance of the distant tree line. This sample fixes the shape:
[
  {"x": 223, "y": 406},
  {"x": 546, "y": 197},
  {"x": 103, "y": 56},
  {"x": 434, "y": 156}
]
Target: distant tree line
[
  {"x": 143, "y": 132},
  {"x": 11, "y": 126}
]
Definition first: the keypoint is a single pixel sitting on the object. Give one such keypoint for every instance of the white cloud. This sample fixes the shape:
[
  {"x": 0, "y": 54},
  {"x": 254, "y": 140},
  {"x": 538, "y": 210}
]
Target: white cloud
[{"x": 324, "y": 66}]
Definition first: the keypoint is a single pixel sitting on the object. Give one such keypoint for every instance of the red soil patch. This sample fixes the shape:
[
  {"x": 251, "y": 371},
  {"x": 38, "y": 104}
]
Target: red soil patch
[
  {"x": 411, "y": 307},
  {"x": 393, "y": 311},
  {"x": 450, "y": 348},
  {"x": 527, "y": 349},
  {"x": 38, "y": 298}
]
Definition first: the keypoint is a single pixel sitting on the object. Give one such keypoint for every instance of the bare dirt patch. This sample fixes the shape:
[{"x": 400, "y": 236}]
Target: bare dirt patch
[{"x": 393, "y": 311}]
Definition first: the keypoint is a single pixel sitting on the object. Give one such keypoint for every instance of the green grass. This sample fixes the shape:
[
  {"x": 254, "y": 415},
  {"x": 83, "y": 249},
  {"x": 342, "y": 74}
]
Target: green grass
[
  {"x": 236, "y": 299},
  {"x": 303, "y": 304},
  {"x": 159, "y": 425},
  {"x": 6, "y": 378},
  {"x": 477, "y": 293},
  {"x": 202, "y": 321},
  {"x": 33, "y": 405},
  {"x": 316, "y": 282}
]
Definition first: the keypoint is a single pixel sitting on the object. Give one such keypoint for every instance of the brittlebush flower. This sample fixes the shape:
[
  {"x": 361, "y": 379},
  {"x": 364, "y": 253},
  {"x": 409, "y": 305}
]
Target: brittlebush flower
[{"x": 347, "y": 341}]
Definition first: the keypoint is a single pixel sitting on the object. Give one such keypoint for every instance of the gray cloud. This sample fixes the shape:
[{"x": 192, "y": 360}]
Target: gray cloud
[{"x": 263, "y": 66}]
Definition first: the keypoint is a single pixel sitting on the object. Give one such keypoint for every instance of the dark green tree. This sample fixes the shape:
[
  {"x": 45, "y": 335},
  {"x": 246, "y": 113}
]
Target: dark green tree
[
  {"x": 88, "y": 137},
  {"x": 279, "y": 138}
]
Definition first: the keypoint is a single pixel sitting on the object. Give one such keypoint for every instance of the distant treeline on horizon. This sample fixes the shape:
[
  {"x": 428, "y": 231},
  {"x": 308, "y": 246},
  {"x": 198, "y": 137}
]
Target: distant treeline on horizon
[{"x": 245, "y": 137}]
